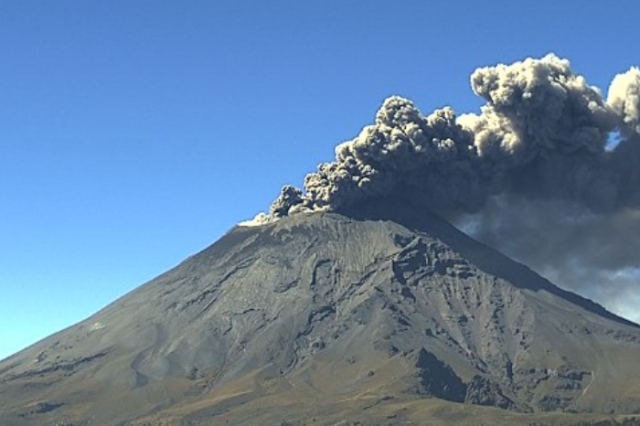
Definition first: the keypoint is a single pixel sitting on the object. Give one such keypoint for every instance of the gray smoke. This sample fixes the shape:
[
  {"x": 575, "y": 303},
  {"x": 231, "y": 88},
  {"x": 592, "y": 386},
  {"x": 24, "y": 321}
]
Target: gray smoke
[
  {"x": 542, "y": 133},
  {"x": 534, "y": 174},
  {"x": 596, "y": 255},
  {"x": 624, "y": 98}
]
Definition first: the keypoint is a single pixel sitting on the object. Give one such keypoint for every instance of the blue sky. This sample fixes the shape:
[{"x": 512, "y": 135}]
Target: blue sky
[{"x": 134, "y": 133}]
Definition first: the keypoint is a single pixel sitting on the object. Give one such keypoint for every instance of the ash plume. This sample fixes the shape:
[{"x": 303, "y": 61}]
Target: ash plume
[
  {"x": 624, "y": 98},
  {"x": 540, "y": 147}
]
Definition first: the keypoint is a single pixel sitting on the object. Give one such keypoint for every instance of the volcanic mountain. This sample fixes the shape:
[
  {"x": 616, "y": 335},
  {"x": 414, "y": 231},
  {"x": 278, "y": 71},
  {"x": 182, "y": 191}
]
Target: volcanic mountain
[{"x": 386, "y": 315}]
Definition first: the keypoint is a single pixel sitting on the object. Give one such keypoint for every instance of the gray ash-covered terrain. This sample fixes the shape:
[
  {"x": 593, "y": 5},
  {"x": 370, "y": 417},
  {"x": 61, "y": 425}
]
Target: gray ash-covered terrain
[{"x": 391, "y": 316}]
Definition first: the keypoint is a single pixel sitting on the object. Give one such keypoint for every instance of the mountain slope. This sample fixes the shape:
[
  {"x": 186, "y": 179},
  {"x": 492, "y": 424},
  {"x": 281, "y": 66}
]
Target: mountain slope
[{"x": 316, "y": 312}]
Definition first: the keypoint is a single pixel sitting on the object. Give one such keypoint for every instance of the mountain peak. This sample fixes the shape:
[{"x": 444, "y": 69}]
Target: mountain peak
[{"x": 326, "y": 308}]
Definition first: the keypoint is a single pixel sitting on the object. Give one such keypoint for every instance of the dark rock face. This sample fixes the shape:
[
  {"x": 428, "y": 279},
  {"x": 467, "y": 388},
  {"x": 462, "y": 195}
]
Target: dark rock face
[
  {"x": 483, "y": 391},
  {"x": 382, "y": 306},
  {"x": 438, "y": 379}
]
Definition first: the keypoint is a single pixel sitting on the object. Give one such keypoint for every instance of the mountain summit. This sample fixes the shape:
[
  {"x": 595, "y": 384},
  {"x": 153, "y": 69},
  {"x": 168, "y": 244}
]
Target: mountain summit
[{"x": 320, "y": 317}]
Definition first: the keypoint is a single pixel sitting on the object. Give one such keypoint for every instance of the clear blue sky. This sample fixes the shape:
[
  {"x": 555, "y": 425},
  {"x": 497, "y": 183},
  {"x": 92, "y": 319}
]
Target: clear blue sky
[{"x": 133, "y": 133}]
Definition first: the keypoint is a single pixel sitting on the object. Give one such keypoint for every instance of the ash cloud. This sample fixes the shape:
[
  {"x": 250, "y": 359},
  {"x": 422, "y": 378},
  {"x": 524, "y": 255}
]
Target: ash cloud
[
  {"x": 542, "y": 133},
  {"x": 624, "y": 98},
  {"x": 531, "y": 174},
  {"x": 594, "y": 254}
]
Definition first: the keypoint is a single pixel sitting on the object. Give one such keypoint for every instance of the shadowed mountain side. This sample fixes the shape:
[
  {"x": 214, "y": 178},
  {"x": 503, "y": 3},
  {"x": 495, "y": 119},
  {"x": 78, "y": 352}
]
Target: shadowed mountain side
[
  {"x": 329, "y": 311},
  {"x": 486, "y": 258}
]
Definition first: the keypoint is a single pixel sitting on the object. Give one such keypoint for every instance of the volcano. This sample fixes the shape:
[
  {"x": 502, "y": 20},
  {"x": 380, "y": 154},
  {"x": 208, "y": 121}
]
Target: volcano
[{"x": 388, "y": 314}]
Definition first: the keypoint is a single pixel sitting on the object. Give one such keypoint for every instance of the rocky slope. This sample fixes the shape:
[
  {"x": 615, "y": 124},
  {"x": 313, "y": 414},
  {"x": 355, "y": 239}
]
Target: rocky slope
[{"x": 314, "y": 313}]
